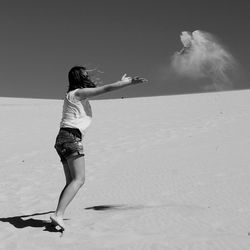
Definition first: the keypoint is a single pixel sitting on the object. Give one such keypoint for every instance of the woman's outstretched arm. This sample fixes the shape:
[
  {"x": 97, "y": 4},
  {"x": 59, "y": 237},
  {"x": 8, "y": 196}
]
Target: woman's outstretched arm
[{"x": 125, "y": 81}]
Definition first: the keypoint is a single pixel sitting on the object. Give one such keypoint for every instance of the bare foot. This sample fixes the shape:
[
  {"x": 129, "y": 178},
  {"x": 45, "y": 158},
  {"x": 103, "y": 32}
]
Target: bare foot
[{"x": 57, "y": 221}]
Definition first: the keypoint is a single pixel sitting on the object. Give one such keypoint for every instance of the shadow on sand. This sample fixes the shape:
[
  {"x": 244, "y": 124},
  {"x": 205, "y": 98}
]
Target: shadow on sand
[
  {"x": 19, "y": 222},
  {"x": 115, "y": 207}
]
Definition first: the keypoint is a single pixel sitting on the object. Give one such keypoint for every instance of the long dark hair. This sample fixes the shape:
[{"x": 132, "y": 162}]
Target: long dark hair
[{"x": 79, "y": 78}]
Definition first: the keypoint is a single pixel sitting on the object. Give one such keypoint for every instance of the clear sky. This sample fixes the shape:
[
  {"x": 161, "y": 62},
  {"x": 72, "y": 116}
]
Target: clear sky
[{"x": 41, "y": 40}]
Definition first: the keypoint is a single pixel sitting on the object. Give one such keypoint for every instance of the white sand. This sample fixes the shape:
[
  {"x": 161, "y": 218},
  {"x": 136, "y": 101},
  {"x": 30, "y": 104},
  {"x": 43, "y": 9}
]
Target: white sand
[{"x": 173, "y": 173}]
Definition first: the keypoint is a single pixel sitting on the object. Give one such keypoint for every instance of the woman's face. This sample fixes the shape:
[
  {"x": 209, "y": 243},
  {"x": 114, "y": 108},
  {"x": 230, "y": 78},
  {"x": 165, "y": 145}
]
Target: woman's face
[
  {"x": 85, "y": 73},
  {"x": 88, "y": 83}
]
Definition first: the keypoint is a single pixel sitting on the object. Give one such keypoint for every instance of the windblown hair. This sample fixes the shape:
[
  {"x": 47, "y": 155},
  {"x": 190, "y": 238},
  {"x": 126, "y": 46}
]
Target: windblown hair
[{"x": 78, "y": 78}]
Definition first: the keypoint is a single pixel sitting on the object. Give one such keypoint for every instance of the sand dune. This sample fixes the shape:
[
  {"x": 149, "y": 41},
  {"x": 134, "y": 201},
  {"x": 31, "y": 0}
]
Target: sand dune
[{"x": 166, "y": 172}]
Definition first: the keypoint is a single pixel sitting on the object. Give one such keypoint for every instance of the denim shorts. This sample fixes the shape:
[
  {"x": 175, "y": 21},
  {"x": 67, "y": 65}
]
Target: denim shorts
[{"x": 69, "y": 143}]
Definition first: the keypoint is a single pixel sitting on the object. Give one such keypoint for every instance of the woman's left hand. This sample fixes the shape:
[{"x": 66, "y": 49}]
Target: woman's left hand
[{"x": 136, "y": 80}]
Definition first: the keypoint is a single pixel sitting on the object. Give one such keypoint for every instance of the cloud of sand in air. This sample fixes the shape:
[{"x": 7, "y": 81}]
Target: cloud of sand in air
[{"x": 204, "y": 57}]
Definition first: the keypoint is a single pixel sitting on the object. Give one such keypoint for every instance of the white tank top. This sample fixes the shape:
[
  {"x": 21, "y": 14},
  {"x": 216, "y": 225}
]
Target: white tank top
[{"x": 76, "y": 114}]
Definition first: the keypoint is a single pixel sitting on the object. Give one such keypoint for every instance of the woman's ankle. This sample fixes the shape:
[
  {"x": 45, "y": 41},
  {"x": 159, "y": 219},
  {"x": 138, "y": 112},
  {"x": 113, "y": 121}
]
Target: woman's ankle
[{"x": 58, "y": 214}]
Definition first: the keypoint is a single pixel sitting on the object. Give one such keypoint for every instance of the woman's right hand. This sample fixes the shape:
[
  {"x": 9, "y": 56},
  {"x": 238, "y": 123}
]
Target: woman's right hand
[{"x": 126, "y": 79}]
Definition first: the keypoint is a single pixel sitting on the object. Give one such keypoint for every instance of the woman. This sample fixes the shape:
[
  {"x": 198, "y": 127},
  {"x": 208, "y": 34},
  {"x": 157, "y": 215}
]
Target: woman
[{"x": 76, "y": 118}]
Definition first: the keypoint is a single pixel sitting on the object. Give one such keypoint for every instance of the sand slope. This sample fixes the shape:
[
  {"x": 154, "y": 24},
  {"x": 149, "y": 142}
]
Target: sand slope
[{"x": 162, "y": 173}]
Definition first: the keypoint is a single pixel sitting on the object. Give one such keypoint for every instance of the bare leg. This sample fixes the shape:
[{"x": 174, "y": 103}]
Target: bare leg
[
  {"x": 76, "y": 166},
  {"x": 68, "y": 177},
  {"x": 67, "y": 173},
  {"x": 75, "y": 177}
]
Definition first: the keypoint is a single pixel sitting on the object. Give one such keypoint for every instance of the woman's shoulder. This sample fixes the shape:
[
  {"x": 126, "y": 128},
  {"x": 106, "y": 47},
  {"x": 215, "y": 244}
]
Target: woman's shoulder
[{"x": 72, "y": 96}]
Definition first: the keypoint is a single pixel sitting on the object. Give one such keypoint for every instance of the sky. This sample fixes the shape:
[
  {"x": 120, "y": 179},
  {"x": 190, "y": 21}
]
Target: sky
[{"x": 41, "y": 41}]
